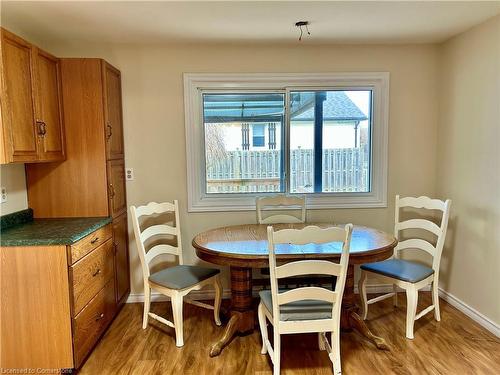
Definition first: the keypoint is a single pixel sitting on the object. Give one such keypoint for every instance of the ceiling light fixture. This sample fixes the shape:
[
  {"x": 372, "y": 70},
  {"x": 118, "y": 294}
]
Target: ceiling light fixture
[{"x": 300, "y": 25}]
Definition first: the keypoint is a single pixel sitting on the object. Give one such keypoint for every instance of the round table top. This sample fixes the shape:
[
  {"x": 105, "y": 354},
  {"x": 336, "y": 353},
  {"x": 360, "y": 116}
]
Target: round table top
[{"x": 246, "y": 245}]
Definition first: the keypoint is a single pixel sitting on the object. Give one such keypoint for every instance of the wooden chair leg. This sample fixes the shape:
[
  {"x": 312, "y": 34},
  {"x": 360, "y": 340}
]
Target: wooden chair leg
[
  {"x": 335, "y": 339},
  {"x": 362, "y": 295},
  {"x": 263, "y": 328},
  {"x": 147, "y": 306},
  {"x": 177, "y": 302},
  {"x": 435, "y": 300},
  {"x": 218, "y": 300},
  {"x": 411, "y": 310},
  {"x": 277, "y": 352}
]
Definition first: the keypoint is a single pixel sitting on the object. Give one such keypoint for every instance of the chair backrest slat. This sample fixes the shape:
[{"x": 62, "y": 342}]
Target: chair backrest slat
[
  {"x": 419, "y": 224},
  {"x": 416, "y": 243},
  {"x": 141, "y": 237},
  {"x": 307, "y": 293},
  {"x": 438, "y": 230},
  {"x": 303, "y": 267},
  {"x": 316, "y": 235},
  {"x": 153, "y": 208},
  {"x": 281, "y": 218},
  {"x": 161, "y": 249},
  {"x": 156, "y": 230},
  {"x": 309, "y": 234},
  {"x": 422, "y": 202},
  {"x": 280, "y": 202}
]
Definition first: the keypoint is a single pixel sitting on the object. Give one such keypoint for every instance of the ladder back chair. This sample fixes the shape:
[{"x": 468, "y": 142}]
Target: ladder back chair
[
  {"x": 410, "y": 276},
  {"x": 304, "y": 309},
  {"x": 277, "y": 203},
  {"x": 174, "y": 282}
]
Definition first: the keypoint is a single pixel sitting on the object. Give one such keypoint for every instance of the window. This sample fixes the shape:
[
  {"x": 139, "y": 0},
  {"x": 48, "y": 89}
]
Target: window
[
  {"x": 319, "y": 135},
  {"x": 258, "y": 136}
]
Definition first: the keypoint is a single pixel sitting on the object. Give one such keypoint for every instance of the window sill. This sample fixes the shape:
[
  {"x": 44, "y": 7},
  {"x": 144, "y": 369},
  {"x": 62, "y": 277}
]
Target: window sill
[{"x": 238, "y": 202}]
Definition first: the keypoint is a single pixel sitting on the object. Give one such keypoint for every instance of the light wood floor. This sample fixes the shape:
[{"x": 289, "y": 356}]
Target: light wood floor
[{"x": 456, "y": 345}]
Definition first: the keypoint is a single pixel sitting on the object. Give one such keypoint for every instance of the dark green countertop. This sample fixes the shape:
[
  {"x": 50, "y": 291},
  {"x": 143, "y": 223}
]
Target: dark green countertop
[{"x": 42, "y": 232}]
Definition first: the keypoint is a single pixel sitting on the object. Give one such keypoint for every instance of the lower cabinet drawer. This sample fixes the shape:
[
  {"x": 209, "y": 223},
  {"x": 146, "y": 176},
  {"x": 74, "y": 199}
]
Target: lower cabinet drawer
[
  {"x": 91, "y": 273},
  {"x": 89, "y": 243},
  {"x": 91, "y": 322}
]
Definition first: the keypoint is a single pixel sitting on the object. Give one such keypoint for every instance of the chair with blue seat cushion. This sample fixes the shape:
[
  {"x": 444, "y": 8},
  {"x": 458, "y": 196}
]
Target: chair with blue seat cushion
[
  {"x": 174, "y": 282},
  {"x": 411, "y": 276},
  {"x": 304, "y": 309}
]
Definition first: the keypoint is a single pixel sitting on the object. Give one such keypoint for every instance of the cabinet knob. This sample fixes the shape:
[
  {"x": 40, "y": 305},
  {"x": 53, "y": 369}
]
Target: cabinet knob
[
  {"x": 111, "y": 191},
  {"x": 97, "y": 272}
]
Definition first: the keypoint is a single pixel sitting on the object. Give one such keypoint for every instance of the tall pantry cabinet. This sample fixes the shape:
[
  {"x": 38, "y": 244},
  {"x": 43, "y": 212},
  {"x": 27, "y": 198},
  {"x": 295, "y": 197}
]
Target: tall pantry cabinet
[{"x": 91, "y": 182}]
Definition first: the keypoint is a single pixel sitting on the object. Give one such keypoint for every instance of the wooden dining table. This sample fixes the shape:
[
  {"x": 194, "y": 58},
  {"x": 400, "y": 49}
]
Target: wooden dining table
[{"x": 244, "y": 247}]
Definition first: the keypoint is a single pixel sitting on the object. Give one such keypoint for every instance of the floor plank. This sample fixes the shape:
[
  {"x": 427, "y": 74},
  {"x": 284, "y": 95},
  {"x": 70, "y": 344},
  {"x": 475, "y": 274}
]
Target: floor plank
[{"x": 456, "y": 345}]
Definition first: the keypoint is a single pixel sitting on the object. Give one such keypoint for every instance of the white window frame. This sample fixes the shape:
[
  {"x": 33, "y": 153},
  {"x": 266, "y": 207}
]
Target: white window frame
[{"x": 195, "y": 83}]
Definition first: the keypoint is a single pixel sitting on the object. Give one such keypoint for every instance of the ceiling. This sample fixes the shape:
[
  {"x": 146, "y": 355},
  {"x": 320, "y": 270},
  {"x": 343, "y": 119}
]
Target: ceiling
[{"x": 332, "y": 22}]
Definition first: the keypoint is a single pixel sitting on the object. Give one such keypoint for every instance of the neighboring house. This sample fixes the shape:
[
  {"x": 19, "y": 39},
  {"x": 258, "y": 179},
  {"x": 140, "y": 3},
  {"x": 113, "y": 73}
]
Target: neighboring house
[{"x": 256, "y": 125}]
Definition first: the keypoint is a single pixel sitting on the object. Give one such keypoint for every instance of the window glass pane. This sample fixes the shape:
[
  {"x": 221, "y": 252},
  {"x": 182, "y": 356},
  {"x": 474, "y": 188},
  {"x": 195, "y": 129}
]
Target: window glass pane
[
  {"x": 330, "y": 138},
  {"x": 243, "y": 142},
  {"x": 258, "y": 136},
  {"x": 302, "y": 142}
]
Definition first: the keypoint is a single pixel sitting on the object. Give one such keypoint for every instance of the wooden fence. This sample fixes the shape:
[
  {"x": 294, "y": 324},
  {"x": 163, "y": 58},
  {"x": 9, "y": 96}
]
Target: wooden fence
[{"x": 344, "y": 170}]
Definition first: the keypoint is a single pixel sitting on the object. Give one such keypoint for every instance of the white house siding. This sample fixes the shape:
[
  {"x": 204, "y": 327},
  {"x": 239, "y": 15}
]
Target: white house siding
[{"x": 335, "y": 135}]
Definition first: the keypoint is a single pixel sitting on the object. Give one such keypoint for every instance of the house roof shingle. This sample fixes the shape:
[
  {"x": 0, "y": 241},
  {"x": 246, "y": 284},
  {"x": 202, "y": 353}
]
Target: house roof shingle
[{"x": 337, "y": 107}]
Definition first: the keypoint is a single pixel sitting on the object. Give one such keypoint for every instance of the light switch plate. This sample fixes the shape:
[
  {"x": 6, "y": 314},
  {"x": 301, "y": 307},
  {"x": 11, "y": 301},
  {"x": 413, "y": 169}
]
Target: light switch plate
[
  {"x": 4, "y": 195},
  {"x": 129, "y": 174}
]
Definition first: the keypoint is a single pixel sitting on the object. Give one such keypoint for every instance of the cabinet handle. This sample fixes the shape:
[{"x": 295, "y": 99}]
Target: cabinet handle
[
  {"x": 42, "y": 127},
  {"x": 97, "y": 272},
  {"x": 99, "y": 317},
  {"x": 110, "y": 130},
  {"x": 111, "y": 191},
  {"x": 94, "y": 240}
]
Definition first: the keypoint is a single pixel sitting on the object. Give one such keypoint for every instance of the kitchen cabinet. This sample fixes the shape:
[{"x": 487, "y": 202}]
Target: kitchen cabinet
[
  {"x": 31, "y": 116},
  {"x": 60, "y": 314}
]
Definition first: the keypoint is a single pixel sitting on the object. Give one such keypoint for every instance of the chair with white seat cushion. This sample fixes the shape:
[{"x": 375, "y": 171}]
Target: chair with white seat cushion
[
  {"x": 411, "y": 276},
  {"x": 304, "y": 309},
  {"x": 280, "y": 202},
  {"x": 174, "y": 282}
]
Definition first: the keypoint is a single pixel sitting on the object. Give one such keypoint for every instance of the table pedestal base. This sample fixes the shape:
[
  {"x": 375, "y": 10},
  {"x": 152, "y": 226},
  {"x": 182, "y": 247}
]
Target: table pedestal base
[
  {"x": 239, "y": 323},
  {"x": 242, "y": 320}
]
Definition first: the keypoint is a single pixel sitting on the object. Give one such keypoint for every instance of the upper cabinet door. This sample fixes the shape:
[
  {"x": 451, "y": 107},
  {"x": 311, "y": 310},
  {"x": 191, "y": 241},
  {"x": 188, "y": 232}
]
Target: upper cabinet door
[
  {"x": 113, "y": 112},
  {"x": 20, "y": 138},
  {"x": 48, "y": 108},
  {"x": 116, "y": 186}
]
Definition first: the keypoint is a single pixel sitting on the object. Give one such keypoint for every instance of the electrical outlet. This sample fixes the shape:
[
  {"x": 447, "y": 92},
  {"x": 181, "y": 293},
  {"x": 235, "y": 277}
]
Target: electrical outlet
[
  {"x": 4, "y": 195},
  {"x": 129, "y": 174}
]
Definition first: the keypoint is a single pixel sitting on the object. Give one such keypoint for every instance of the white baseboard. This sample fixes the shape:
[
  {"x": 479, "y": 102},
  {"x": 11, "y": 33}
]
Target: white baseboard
[
  {"x": 472, "y": 313},
  {"x": 475, "y": 315}
]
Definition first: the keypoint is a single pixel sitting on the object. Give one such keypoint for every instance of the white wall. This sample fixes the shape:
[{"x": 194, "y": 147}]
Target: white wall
[
  {"x": 468, "y": 162},
  {"x": 13, "y": 178}
]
